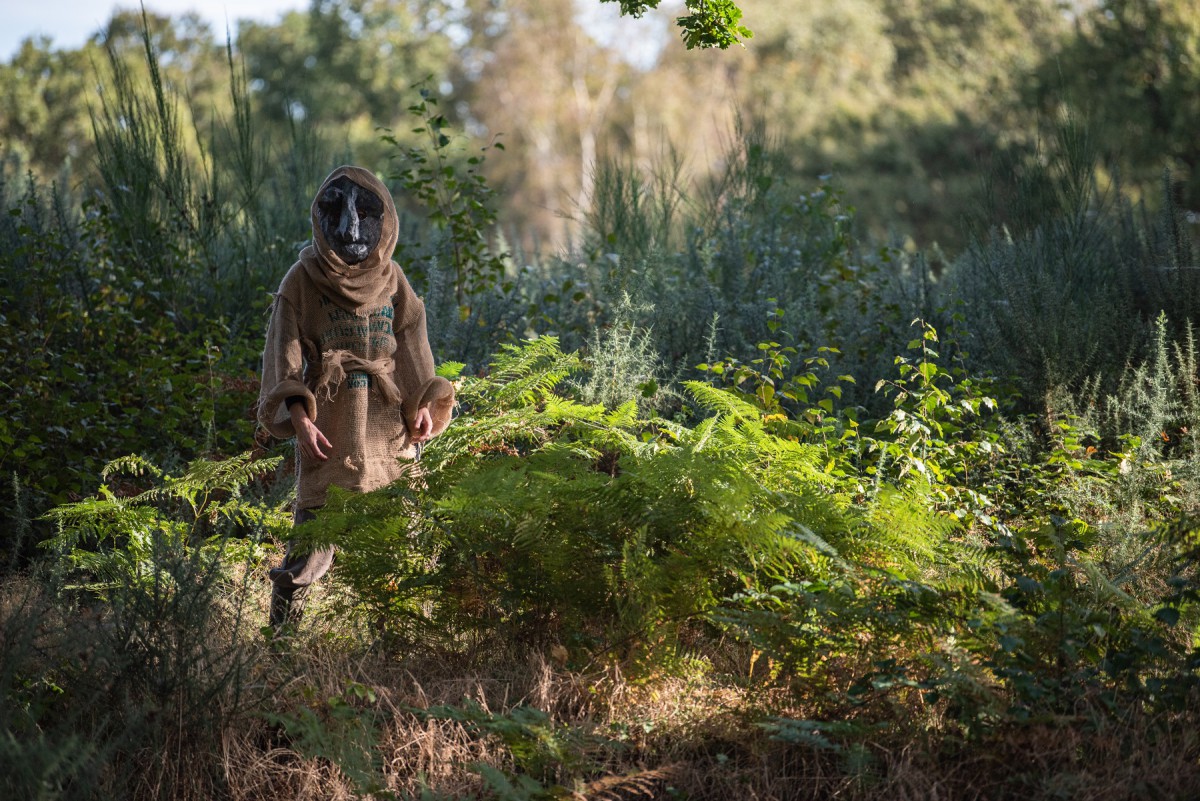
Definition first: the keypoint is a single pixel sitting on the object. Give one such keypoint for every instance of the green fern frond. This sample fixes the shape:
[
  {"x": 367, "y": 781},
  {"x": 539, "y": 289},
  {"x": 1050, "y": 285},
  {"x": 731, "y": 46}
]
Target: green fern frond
[
  {"x": 721, "y": 401},
  {"x": 905, "y": 529},
  {"x": 1105, "y": 592},
  {"x": 134, "y": 464},
  {"x": 802, "y": 533},
  {"x": 119, "y": 539},
  {"x": 699, "y": 438},
  {"x": 450, "y": 370},
  {"x": 624, "y": 416},
  {"x": 523, "y": 374},
  {"x": 968, "y": 568}
]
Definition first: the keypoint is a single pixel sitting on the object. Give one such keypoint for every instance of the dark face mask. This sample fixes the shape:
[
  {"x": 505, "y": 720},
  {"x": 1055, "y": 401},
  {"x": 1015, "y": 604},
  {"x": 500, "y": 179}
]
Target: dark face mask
[{"x": 351, "y": 218}]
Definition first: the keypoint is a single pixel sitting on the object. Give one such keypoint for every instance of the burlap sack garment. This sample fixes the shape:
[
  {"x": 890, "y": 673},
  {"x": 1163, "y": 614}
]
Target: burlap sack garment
[{"x": 350, "y": 340}]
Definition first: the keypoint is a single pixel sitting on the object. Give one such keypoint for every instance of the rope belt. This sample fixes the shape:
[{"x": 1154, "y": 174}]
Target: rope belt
[{"x": 337, "y": 363}]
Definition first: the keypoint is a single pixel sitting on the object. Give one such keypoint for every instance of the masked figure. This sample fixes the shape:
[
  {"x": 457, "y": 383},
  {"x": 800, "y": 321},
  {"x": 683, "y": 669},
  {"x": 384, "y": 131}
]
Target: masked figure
[{"x": 347, "y": 368}]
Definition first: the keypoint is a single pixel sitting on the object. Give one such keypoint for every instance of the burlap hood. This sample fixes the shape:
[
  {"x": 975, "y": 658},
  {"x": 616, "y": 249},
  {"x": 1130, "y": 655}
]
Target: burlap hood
[{"x": 353, "y": 287}]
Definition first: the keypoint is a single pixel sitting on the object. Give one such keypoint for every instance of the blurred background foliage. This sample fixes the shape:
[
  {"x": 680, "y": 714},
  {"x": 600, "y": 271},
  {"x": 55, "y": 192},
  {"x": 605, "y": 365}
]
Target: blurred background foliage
[{"x": 900, "y": 101}]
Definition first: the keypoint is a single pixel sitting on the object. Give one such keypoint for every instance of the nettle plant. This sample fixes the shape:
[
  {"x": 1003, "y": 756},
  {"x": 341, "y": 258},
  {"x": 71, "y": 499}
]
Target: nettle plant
[
  {"x": 935, "y": 429},
  {"x": 456, "y": 198},
  {"x": 796, "y": 401}
]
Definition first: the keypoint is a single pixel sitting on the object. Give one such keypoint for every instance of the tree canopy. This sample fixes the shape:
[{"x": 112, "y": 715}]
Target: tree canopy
[
  {"x": 905, "y": 103},
  {"x": 708, "y": 23}
]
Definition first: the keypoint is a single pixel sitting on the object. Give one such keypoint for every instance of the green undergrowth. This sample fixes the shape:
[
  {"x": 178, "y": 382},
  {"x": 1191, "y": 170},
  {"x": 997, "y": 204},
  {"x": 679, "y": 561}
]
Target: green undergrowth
[{"x": 847, "y": 585}]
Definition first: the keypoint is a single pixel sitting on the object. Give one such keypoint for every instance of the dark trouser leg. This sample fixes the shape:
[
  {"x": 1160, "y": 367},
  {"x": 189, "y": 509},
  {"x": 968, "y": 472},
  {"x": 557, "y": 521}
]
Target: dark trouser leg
[{"x": 291, "y": 580}]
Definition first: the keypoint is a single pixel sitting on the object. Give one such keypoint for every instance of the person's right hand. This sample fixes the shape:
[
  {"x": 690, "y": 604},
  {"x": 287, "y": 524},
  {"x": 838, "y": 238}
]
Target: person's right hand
[{"x": 309, "y": 438}]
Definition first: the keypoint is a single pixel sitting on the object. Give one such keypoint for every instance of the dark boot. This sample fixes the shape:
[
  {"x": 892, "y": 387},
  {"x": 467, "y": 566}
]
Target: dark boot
[{"x": 287, "y": 605}]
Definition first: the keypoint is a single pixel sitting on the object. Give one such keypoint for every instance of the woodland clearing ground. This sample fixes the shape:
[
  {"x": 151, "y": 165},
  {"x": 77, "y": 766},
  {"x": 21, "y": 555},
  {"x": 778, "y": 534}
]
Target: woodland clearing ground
[{"x": 621, "y": 739}]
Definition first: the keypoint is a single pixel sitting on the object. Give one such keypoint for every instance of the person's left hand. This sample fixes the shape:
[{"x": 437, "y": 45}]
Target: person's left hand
[{"x": 423, "y": 425}]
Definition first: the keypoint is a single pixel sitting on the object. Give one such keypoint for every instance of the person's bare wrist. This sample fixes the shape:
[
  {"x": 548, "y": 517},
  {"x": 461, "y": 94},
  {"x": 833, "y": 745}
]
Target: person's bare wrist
[{"x": 299, "y": 415}]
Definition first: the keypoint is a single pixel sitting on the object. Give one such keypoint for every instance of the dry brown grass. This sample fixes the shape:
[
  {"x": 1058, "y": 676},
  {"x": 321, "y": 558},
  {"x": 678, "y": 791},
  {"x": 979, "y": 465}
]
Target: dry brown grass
[{"x": 695, "y": 736}]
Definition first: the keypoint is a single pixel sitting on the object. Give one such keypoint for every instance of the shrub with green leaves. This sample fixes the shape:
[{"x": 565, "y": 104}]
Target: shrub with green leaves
[
  {"x": 131, "y": 318},
  {"x": 615, "y": 538},
  {"x": 94, "y": 363}
]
